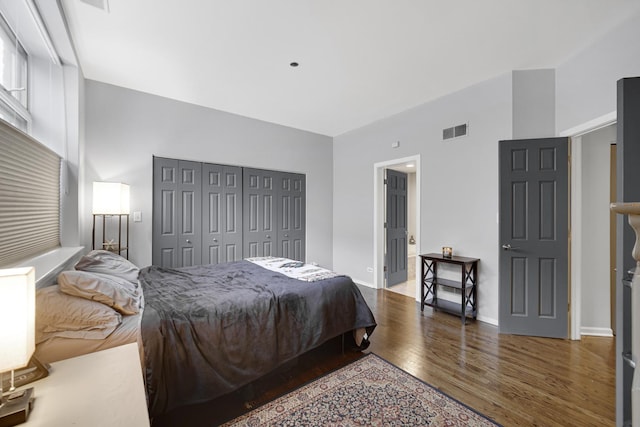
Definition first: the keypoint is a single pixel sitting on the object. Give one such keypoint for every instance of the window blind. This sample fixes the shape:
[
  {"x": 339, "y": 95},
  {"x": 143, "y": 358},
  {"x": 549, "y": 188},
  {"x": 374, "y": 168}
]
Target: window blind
[{"x": 29, "y": 196}]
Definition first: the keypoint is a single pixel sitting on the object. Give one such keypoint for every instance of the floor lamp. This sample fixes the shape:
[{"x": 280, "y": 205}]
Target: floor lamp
[{"x": 111, "y": 200}]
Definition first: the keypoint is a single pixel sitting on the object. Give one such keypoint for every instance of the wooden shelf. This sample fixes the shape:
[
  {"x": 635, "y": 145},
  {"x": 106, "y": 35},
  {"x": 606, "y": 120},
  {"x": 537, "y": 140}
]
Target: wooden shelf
[
  {"x": 450, "y": 307},
  {"x": 467, "y": 285},
  {"x": 119, "y": 246},
  {"x": 448, "y": 283}
]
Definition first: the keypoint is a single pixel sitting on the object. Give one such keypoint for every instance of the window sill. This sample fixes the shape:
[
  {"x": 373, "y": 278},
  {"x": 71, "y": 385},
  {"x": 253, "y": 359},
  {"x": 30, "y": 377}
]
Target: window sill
[{"x": 49, "y": 264}]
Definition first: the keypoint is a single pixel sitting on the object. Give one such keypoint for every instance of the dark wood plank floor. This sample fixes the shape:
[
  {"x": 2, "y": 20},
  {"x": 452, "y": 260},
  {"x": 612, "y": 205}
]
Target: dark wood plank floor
[{"x": 515, "y": 380}]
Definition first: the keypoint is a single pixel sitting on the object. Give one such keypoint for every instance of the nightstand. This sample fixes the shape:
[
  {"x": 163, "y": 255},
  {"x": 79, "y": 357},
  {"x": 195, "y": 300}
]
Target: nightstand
[{"x": 98, "y": 389}]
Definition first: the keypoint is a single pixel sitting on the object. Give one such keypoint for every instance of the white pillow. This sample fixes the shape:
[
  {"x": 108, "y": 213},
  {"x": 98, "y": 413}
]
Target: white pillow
[
  {"x": 114, "y": 291},
  {"x": 62, "y": 315},
  {"x": 106, "y": 262}
]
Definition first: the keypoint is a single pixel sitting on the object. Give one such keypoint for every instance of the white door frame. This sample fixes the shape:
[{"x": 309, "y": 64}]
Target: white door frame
[
  {"x": 379, "y": 217},
  {"x": 575, "y": 134}
]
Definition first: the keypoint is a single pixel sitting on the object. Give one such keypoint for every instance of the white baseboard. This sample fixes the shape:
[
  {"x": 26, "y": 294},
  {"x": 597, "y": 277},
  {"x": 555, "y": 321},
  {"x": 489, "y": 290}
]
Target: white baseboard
[
  {"x": 360, "y": 282},
  {"x": 488, "y": 320},
  {"x": 597, "y": 332}
]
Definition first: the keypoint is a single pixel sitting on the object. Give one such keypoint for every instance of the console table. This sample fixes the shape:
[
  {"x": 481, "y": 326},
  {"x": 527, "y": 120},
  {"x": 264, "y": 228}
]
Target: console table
[{"x": 467, "y": 285}]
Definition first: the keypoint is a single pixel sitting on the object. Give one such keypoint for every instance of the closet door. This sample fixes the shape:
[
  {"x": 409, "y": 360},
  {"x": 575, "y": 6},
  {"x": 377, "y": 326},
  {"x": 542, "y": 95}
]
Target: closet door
[
  {"x": 165, "y": 222},
  {"x": 189, "y": 213},
  {"x": 177, "y": 213},
  {"x": 291, "y": 216},
  {"x": 259, "y": 212},
  {"x": 209, "y": 214},
  {"x": 221, "y": 213}
]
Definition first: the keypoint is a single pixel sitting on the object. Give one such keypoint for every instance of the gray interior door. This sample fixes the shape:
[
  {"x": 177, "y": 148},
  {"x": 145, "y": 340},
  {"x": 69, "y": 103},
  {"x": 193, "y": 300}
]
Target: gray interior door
[
  {"x": 534, "y": 227},
  {"x": 189, "y": 213},
  {"x": 221, "y": 213},
  {"x": 165, "y": 221},
  {"x": 396, "y": 259},
  {"x": 259, "y": 214},
  {"x": 291, "y": 216}
]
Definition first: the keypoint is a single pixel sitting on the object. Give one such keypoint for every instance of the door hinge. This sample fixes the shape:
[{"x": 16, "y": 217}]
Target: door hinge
[
  {"x": 385, "y": 181},
  {"x": 385, "y": 269}
]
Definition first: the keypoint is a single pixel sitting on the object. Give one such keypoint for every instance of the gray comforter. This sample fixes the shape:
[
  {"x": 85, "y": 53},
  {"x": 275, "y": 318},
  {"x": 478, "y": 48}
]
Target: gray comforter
[{"x": 208, "y": 330}]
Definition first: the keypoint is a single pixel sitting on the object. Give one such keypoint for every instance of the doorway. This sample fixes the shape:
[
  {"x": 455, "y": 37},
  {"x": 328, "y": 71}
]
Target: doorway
[
  {"x": 591, "y": 301},
  {"x": 411, "y": 286},
  {"x": 592, "y": 250},
  {"x": 400, "y": 229},
  {"x": 534, "y": 232}
]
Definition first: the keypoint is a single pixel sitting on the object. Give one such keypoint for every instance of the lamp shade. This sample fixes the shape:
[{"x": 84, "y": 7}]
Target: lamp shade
[
  {"x": 17, "y": 317},
  {"x": 110, "y": 198}
]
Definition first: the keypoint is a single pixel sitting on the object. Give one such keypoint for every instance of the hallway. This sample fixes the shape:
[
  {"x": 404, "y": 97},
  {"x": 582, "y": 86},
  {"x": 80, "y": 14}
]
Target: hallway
[{"x": 407, "y": 288}]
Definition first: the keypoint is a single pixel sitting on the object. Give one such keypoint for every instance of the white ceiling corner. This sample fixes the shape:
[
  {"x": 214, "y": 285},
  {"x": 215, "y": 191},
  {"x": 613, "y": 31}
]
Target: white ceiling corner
[{"x": 360, "y": 60}]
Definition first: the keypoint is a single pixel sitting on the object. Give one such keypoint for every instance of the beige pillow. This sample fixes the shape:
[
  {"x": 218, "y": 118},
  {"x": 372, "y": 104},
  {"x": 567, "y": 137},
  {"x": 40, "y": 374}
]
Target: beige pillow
[
  {"x": 106, "y": 262},
  {"x": 62, "y": 315},
  {"x": 114, "y": 291}
]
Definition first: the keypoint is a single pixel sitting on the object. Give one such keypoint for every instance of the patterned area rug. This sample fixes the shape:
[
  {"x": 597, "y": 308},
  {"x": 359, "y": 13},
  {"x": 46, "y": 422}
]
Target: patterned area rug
[{"x": 367, "y": 392}]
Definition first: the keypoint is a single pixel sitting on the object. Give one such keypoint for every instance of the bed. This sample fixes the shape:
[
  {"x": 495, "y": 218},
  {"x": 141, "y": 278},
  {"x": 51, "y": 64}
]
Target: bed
[
  {"x": 205, "y": 331},
  {"x": 208, "y": 330}
]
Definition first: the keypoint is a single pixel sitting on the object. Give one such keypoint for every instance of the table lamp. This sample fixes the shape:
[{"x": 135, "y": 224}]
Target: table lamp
[{"x": 17, "y": 338}]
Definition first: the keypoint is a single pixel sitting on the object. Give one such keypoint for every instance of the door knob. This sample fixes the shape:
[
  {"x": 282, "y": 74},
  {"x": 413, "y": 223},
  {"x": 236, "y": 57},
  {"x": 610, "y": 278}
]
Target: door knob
[
  {"x": 188, "y": 241},
  {"x": 268, "y": 237},
  {"x": 508, "y": 247},
  {"x": 215, "y": 240}
]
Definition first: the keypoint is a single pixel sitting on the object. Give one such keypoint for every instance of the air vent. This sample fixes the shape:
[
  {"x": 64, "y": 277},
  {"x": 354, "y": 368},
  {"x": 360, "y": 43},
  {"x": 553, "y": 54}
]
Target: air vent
[{"x": 454, "y": 131}]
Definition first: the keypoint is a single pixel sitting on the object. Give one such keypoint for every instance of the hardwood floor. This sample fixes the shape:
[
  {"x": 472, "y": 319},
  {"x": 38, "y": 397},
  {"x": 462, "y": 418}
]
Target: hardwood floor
[{"x": 515, "y": 380}]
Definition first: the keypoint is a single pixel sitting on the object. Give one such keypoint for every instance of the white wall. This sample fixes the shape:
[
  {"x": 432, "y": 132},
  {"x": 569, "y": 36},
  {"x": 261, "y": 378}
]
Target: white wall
[
  {"x": 595, "y": 212},
  {"x": 460, "y": 178},
  {"x": 125, "y": 128},
  {"x": 459, "y": 182},
  {"x": 586, "y": 82}
]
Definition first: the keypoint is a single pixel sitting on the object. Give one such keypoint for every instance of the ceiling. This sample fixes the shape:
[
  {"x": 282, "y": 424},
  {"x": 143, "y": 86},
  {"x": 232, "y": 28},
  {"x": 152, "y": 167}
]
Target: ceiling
[{"x": 359, "y": 60}]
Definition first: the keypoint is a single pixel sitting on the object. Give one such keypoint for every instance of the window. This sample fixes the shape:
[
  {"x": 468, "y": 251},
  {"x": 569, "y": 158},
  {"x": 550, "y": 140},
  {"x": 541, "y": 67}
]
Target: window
[
  {"x": 9, "y": 115},
  {"x": 13, "y": 78},
  {"x": 29, "y": 196}
]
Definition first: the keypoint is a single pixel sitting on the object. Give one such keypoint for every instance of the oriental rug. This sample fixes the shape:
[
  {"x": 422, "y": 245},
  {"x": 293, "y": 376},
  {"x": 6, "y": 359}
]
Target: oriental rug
[{"x": 367, "y": 392}]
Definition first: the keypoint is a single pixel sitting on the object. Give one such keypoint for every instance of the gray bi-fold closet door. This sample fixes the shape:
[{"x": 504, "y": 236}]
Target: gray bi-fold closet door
[
  {"x": 221, "y": 213},
  {"x": 208, "y": 214},
  {"x": 274, "y": 214},
  {"x": 177, "y": 212}
]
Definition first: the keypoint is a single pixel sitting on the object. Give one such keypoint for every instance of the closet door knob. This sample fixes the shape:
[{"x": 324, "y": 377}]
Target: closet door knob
[{"x": 188, "y": 241}]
